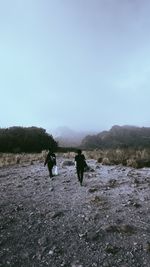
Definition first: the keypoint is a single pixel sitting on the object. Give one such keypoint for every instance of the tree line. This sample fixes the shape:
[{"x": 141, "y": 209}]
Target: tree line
[{"x": 25, "y": 139}]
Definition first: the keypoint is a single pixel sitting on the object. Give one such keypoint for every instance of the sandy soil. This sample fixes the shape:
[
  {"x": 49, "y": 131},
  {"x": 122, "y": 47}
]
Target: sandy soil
[{"x": 104, "y": 223}]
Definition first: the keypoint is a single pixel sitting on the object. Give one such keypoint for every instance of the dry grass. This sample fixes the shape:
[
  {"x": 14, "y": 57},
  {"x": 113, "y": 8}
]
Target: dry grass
[
  {"x": 7, "y": 159},
  {"x": 128, "y": 157}
]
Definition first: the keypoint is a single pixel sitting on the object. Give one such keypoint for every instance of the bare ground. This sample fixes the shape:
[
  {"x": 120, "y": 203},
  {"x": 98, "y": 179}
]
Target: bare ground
[{"x": 55, "y": 223}]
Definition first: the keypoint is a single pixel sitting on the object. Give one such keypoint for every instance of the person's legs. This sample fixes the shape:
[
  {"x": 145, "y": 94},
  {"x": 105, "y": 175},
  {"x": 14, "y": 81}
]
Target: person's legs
[
  {"x": 50, "y": 173},
  {"x": 50, "y": 170},
  {"x": 78, "y": 173},
  {"x": 81, "y": 175}
]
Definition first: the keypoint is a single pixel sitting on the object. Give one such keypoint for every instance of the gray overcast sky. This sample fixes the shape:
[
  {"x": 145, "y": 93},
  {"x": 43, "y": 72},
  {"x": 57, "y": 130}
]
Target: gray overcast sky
[{"x": 78, "y": 63}]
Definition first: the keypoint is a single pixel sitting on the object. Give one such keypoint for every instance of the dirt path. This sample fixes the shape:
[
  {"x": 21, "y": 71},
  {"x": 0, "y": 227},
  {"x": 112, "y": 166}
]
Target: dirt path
[{"x": 104, "y": 223}]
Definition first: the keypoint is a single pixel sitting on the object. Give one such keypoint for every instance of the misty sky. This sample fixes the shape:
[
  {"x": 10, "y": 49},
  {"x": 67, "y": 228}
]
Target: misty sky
[{"x": 78, "y": 63}]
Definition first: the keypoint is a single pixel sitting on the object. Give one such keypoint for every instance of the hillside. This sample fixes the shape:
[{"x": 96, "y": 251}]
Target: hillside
[{"x": 119, "y": 136}]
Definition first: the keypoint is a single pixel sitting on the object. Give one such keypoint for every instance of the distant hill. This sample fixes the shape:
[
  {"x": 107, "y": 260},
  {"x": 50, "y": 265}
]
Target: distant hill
[
  {"x": 67, "y": 137},
  {"x": 119, "y": 136}
]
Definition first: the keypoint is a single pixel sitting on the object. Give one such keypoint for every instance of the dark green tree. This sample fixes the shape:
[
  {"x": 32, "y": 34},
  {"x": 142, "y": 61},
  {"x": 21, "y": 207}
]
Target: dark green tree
[{"x": 25, "y": 139}]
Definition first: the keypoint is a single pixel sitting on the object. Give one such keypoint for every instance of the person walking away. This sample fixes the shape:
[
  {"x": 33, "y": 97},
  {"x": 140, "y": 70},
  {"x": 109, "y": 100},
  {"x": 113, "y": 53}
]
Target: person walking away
[
  {"x": 80, "y": 165},
  {"x": 50, "y": 161}
]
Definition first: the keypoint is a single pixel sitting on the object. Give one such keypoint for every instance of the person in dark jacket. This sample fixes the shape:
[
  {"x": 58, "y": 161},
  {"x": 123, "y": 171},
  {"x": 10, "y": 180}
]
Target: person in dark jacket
[
  {"x": 80, "y": 165},
  {"x": 50, "y": 161}
]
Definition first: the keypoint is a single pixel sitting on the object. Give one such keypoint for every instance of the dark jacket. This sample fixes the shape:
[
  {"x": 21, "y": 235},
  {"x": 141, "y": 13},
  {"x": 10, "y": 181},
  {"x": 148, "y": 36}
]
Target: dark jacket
[
  {"x": 80, "y": 161},
  {"x": 50, "y": 159}
]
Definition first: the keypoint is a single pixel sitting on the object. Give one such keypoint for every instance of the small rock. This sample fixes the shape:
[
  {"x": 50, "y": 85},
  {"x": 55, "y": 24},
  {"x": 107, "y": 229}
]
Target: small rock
[
  {"x": 92, "y": 190},
  {"x": 51, "y": 252},
  {"x": 111, "y": 249},
  {"x": 57, "y": 214},
  {"x": 148, "y": 246},
  {"x": 136, "y": 205},
  {"x": 68, "y": 163}
]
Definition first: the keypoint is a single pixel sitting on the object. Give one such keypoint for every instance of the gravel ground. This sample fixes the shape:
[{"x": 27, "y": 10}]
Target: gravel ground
[{"x": 104, "y": 223}]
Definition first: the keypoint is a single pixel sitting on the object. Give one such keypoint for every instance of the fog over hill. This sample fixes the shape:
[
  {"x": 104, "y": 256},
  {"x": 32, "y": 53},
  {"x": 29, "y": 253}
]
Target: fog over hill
[
  {"x": 68, "y": 137},
  {"x": 117, "y": 136}
]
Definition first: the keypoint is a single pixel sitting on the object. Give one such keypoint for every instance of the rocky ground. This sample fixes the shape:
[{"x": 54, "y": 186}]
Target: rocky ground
[{"x": 104, "y": 223}]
